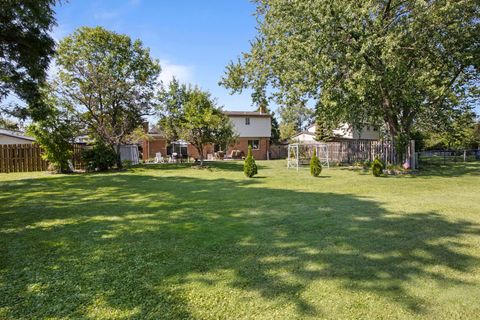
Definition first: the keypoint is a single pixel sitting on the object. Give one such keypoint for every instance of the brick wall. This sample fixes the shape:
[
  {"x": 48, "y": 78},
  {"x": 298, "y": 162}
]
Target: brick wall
[
  {"x": 158, "y": 144},
  {"x": 154, "y": 145},
  {"x": 242, "y": 144}
]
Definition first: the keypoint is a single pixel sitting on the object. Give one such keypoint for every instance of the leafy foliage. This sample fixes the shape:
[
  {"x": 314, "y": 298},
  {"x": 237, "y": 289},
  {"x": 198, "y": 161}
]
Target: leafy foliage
[
  {"x": 460, "y": 131},
  {"x": 293, "y": 119},
  {"x": 323, "y": 132},
  {"x": 377, "y": 167},
  {"x": 26, "y": 48},
  {"x": 315, "y": 165},
  {"x": 192, "y": 115},
  {"x": 108, "y": 80},
  {"x": 400, "y": 63},
  {"x": 250, "y": 167},
  {"x": 55, "y": 133},
  {"x": 100, "y": 157},
  {"x": 9, "y": 124},
  {"x": 275, "y": 129}
]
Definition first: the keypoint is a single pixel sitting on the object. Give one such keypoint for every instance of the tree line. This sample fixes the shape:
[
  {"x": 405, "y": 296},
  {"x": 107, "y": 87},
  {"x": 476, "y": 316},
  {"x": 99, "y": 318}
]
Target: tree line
[
  {"x": 404, "y": 66},
  {"x": 104, "y": 85},
  {"x": 407, "y": 67}
]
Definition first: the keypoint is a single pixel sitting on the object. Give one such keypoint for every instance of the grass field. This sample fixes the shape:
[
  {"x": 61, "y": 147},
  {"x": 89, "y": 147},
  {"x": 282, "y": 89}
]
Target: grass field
[{"x": 173, "y": 242}]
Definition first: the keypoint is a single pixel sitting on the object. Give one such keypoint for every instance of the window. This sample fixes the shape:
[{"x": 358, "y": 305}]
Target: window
[
  {"x": 255, "y": 144},
  {"x": 247, "y": 121}
]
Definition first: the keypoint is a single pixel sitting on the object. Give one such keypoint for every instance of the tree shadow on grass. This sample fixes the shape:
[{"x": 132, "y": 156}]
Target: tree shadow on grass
[
  {"x": 125, "y": 245},
  {"x": 449, "y": 170},
  {"x": 226, "y": 165}
]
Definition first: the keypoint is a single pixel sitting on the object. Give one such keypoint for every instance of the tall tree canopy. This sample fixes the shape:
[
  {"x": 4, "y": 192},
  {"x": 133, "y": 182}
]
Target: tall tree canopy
[
  {"x": 109, "y": 81},
  {"x": 193, "y": 115},
  {"x": 26, "y": 47},
  {"x": 377, "y": 61}
]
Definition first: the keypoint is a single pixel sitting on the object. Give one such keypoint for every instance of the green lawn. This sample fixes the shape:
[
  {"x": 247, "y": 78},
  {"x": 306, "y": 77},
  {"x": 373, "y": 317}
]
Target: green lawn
[{"x": 172, "y": 242}]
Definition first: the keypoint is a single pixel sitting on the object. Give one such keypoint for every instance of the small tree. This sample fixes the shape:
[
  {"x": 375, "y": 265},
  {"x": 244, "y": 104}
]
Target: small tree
[
  {"x": 377, "y": 167},
  {"x": 55, "y": 133},
  {"x": 192, "y": 115},
  {"x": 315, "y": 166},
  {"x": 250, "y": 167}
]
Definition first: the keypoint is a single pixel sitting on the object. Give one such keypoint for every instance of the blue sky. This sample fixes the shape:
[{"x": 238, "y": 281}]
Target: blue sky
[{"x": 194, "y": 39}]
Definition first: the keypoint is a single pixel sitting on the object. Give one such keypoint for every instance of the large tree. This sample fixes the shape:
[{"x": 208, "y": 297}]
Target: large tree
[
  {"x": 192, "y": 115},
  {"x": 109, "y": 80},
  {"x": 26, "y": 47},
  {"x": 398, "y": 62}
]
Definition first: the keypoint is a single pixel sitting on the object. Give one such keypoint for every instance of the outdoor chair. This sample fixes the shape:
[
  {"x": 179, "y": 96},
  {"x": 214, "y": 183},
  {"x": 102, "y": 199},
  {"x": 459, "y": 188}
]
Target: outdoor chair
[{"x": 159, "y": 158}]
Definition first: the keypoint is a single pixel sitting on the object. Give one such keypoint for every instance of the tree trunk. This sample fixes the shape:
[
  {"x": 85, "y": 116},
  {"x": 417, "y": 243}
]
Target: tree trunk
[
  {"x": 200, "y": 151},
  {"x": 119, "y": 160}
]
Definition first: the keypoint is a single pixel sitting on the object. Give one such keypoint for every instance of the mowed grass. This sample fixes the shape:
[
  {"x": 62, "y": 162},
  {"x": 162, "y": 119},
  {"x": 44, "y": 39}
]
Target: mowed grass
[{"x": 174, "y": 242}]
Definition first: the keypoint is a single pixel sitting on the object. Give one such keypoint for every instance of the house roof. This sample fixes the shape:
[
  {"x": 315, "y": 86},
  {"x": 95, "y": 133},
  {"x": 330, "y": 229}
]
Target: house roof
[
  {"x": 247, "y": 113},
  {"x": 15, "y": 134},
  {"x": 303, "y": 132},
  {"x": 156, "y": 132}
]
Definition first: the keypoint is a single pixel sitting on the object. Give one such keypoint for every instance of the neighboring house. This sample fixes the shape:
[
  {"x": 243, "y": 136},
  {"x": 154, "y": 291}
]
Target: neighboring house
[
  {"x": 344, "y": 132},
  {"x": 252, "y": 128},
  {"x": 14, "y": 137},
  {"x": 83, "y": 139}
]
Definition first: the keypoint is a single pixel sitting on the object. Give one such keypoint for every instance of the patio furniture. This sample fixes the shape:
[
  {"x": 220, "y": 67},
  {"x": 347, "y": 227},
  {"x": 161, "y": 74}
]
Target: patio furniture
[
  {"x": 236, "y": 154},
  {"x": 159, "y": 158}
]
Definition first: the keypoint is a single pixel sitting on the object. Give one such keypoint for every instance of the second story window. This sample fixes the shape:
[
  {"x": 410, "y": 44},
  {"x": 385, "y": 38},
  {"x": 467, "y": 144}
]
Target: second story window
[{"x": 247, "y": 121}]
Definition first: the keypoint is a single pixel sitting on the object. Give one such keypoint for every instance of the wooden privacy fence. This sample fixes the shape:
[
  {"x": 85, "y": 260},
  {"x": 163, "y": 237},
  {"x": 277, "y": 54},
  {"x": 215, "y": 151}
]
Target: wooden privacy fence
[
  {"x": 21, "y": 158},
  {"x": 77, "y": 162},
  {"x": 350, "y": 151},
  {"x": 28, "y": 157},
  {"x": 278, "y": 151}
]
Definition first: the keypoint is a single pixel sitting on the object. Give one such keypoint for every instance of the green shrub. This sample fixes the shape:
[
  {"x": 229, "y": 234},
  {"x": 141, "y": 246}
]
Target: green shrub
[
  {"x": 99, "y": 158},
  {"x": 250, "y": 167},
  {"x": 315, "y": 166},
  {"x": 367, "y": 164},
  {"x": 54, "y": 134},
  {"x": 377, "y": 167},
  {"x": 127, "y": 164}
]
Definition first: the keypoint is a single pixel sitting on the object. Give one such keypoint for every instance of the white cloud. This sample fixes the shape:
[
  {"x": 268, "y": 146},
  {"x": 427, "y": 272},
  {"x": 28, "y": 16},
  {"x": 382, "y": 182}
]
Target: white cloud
[{"x": 180, "y": 72}]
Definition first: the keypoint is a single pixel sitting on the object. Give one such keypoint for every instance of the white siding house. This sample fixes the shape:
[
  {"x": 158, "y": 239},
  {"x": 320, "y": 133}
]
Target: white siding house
[
  {"x": 250, "y": 124},
  {"x": 14, "y": 137},
  {"x": 345, "y": 131},
  {"x": 253, "y": 129}
]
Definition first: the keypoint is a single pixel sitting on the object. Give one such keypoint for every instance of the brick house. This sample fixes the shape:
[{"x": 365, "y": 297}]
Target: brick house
[{"x": 252, "y": 128}]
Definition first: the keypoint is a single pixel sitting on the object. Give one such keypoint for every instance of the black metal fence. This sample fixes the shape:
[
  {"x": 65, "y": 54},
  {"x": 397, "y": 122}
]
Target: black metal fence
[{"x": 445, "y": 157}]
